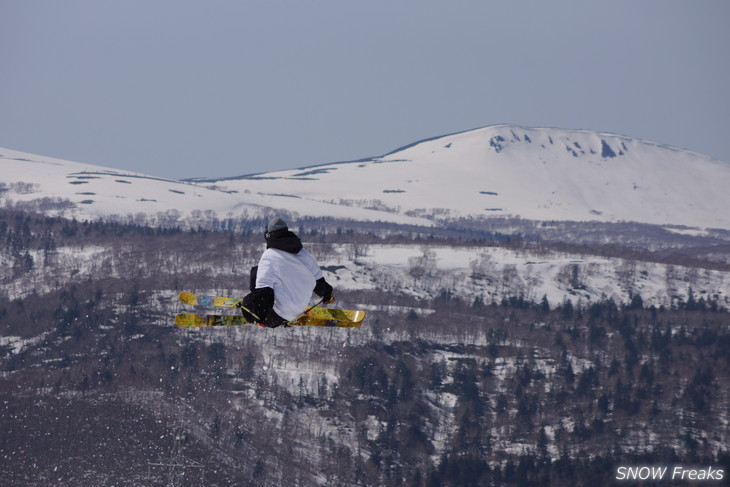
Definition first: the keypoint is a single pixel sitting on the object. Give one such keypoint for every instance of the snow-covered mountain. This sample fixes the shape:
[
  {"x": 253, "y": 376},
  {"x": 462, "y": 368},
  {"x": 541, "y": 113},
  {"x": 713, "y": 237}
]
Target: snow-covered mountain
[
  {"x": 86, "y": 191},
  {"x": 532, "y": 173}
]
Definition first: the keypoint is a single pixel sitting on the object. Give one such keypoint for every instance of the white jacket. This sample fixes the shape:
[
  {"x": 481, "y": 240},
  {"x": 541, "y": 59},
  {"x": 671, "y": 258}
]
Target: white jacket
[{"x": 291, "y": 276}]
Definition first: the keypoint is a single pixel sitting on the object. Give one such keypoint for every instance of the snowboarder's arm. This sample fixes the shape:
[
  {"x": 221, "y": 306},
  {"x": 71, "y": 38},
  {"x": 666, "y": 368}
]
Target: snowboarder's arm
[
  {"x": 322, "y": 287},
  {"x": 311, "y": 264}
]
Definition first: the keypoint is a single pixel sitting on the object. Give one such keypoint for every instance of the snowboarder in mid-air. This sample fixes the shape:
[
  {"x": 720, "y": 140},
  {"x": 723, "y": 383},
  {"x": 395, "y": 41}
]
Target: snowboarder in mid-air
[{"x": 282, "y": 283}]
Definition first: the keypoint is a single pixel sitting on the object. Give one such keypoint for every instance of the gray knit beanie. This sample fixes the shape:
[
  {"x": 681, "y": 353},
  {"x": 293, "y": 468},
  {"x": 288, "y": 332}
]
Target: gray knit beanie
[{"x": 275, "y": 225}]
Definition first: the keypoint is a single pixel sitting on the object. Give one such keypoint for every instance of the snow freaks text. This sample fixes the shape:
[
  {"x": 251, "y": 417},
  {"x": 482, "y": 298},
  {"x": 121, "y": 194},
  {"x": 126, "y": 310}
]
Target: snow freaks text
[{"x": 676, "y": 473}]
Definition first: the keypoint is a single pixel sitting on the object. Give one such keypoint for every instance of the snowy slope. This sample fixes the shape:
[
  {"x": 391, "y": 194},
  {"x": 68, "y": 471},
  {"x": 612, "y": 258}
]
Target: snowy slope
[
  {"x": 492, "y": 273},
  {"x": 87, "y": 191},
  {"x": 532, "y": 173}
]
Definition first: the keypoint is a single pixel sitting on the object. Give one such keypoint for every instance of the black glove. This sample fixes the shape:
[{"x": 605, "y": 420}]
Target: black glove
[{"x": 324, "y": 290}]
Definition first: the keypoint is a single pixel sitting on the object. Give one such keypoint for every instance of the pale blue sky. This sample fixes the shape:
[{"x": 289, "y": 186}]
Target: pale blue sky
[{"x": 222, "y": 88}]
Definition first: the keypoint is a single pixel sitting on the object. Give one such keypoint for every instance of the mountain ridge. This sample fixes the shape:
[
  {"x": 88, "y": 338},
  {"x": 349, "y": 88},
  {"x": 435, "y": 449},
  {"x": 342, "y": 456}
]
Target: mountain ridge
[
  {"x": 437, "y": 137},
  {"x": 653, "y": 177},
  {"x": 502, "y": 171}
]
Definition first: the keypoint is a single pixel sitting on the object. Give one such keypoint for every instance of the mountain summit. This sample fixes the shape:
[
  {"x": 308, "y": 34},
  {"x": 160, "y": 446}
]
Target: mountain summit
[
  {"x": 531, "y": 173},
  {"x": 542, "y": 174}
]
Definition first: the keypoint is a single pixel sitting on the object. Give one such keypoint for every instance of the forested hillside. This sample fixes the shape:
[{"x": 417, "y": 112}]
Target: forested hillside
[{"x": 501, "y": 372}]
